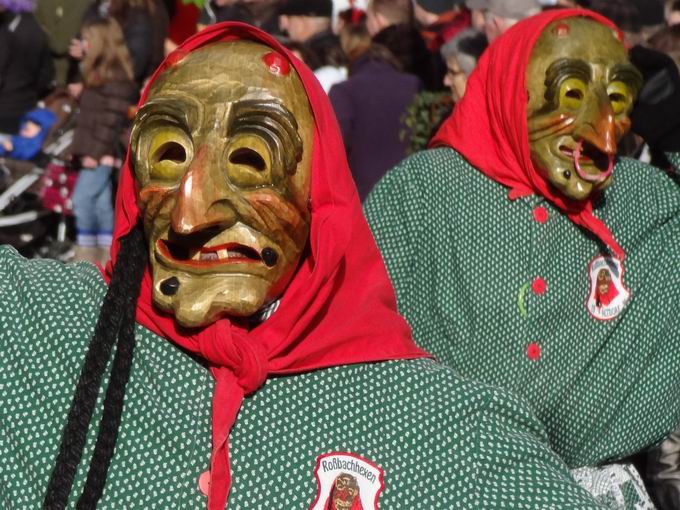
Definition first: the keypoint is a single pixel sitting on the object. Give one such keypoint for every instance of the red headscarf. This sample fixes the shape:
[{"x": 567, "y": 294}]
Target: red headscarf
[
  {"x": 489, "y": 125},
  {"x": 338, "y": 309}
]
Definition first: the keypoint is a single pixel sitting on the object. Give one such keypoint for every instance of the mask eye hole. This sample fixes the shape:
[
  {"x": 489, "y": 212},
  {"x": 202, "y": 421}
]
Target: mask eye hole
[
  {"x": 572, "y": 93},
  {"x": 619, "y": 97},
  {"x": 248, "y": 157},
  {"x": 171, "y": 152}
]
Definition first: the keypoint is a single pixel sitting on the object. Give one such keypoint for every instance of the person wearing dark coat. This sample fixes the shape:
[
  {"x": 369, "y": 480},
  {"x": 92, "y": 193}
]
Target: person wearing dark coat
[
  {"x": 26, "y": 67},
  {"x": 369, "y": 107},
  {"x": 308, "y": 22},
  {"x": 391, "y": 24}
]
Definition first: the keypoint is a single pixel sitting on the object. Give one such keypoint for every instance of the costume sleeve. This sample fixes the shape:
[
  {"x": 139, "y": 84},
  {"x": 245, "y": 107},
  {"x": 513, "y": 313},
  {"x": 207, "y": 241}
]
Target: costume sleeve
[
  {"x": 515, "y": 466},
  {"x": 397, "y": 211},
  {"x": 46, "y": 308}
]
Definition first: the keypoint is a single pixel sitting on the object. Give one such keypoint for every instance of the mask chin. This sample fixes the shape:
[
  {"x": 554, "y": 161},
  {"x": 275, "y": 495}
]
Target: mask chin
[{"x": 197, "y": 302}]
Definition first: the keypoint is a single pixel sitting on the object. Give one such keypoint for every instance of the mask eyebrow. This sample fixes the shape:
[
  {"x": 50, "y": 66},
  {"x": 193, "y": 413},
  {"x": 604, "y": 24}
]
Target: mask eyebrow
[
  {"x": 180, "y": 108},
  {"x": 628, "y": 74},
  {"x": 567, "y": 68},
  {"x": 559, "y": 71}
]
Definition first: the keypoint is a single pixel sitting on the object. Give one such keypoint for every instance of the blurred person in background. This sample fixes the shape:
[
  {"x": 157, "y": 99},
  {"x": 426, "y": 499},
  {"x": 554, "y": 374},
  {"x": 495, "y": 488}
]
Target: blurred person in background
[
  {"x": 61, "y": 20},
  {"x": 672, "y": 12},
  {"x": 260, "y": 13},
  {"x": 440, "y": 20},
  {"x": 145, "y": 28},
  {"x": 667, "y": 40},
  {"x": 26, "y": 67},
  {"x": 461, "y": 55},
  {"x": 625, "y": 14},
  {"x": 109, "y": 90},
  {"x": 309, "y": 22},
  {"x": 639, "y": 19},
  {"x": 502, "y": 14},
  {"x": 391, "y": 23},
  {"x": 369, "y": 107},
  {"x": 216, "y": 11},
  {"x": 183, "y": 23},
  {"x": 477, "y": 10}
]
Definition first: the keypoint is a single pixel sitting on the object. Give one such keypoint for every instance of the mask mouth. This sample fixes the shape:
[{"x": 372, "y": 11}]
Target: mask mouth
[
  {"x": 587, "y": 154},
  {"x": 202, "y": 256}
]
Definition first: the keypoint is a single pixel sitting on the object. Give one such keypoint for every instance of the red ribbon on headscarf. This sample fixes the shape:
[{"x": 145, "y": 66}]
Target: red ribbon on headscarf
[
  {"x": 489, "y": 125},
  {"x": 338, "y": 309}
]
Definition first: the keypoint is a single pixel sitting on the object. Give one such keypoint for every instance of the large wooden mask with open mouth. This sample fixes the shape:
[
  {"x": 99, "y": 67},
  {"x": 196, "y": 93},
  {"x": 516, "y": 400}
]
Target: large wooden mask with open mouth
[
  {"x": 581, "y": 91},
  {"x": 222, "y": 157}
]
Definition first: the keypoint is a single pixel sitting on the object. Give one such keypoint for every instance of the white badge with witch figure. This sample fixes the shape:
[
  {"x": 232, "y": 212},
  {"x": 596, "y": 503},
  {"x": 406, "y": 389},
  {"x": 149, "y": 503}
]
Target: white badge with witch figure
[
  {"x": 607, "y": 296},
  {"x": 347, "y": 481}
]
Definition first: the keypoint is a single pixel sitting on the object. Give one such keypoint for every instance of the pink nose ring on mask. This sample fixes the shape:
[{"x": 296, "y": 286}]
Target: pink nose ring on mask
[{"x": 587, "y": 177}]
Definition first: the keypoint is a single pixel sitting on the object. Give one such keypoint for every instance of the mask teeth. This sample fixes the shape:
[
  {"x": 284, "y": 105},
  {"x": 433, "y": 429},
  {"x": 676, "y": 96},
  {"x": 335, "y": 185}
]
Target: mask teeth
[{"x": 583, "y": 175}]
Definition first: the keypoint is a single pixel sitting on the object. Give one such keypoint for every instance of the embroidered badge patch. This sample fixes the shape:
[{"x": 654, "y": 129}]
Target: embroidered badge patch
[
  {"x": 607, "y": 296},
  {"x": 346, "y": 482}
]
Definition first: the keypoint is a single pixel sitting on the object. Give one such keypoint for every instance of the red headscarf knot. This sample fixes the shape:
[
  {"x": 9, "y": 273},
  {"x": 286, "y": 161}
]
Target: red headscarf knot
[{"x": 246, "y": 358}]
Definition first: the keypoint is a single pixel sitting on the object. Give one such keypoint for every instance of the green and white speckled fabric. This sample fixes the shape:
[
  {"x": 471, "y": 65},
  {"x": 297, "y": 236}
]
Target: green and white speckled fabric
[
  {"x": 443, "y": 442},
  {"x": 464, "y": 259}
]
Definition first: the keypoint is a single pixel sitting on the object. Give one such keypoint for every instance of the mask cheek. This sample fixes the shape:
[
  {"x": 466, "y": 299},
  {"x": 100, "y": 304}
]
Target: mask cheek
[{"x": 155, "y": 205}]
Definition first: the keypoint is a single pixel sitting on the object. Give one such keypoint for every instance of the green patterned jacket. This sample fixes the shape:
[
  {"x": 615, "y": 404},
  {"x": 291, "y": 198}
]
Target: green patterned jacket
[
  {"x": 432, "y": 438},
  {"x": 514, "y": 294}
]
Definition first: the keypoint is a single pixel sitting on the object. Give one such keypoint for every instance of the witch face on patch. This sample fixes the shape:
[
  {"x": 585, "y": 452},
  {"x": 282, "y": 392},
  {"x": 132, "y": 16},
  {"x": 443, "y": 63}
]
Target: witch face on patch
[
  {"x": 345, "y": 494},
  {"x": 608, "y": 296}
]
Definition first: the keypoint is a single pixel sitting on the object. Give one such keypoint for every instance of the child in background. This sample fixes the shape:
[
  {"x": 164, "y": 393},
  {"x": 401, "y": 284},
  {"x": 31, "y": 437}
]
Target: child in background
[
  {"x": 108, "y": 91},
  {"x": 34, "y": 127}
]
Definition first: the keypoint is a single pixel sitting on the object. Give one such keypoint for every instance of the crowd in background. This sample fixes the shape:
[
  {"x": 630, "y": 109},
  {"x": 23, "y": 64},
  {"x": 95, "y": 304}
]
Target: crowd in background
[{"x": 393, "y": 70}]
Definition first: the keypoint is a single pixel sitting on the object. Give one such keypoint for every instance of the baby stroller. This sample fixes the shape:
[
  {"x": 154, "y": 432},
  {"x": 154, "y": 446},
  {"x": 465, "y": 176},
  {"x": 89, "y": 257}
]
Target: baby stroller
[{"x": 36, "y": 214}]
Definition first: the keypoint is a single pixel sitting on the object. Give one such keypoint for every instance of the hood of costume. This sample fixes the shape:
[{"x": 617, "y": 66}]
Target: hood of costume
[
  {"x": 489, "y": 125},
  {"x": 338, "y": 309}
]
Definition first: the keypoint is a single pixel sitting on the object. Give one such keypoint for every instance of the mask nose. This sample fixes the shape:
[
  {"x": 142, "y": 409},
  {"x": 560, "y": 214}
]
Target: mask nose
[
  {"x": 596, "y": 125},
  {"x": 203, "y": 197}
]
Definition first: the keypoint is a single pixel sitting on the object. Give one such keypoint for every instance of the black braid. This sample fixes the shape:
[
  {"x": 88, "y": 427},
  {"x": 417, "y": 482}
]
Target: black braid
[
  {"x": 116, "y": 320},
  {"x": 120, "y": 373}
]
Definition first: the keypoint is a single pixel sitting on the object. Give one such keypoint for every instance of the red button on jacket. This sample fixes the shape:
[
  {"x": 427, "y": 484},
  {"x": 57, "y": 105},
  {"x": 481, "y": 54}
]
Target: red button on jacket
[
  {"x": 204, "y": 482},
  {"x": 533, "y": 351},
  {"x": 540, "y": 214},
  {"x": 538, "y": 286}
]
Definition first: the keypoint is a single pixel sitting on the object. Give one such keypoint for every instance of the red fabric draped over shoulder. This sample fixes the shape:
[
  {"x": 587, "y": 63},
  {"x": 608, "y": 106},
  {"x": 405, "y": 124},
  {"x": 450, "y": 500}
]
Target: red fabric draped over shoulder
[
  {"x": 489, "y": 125},
  {"x": 338, "y": 309}
]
